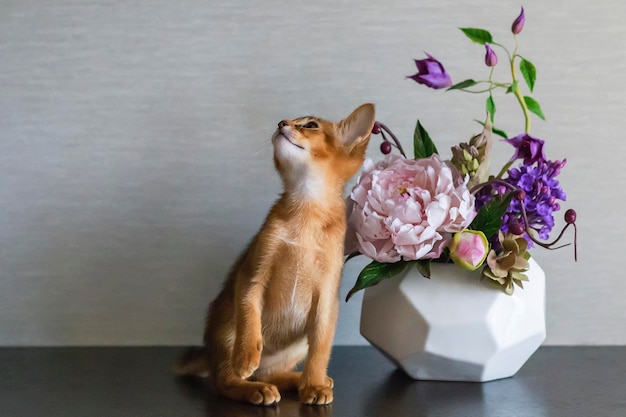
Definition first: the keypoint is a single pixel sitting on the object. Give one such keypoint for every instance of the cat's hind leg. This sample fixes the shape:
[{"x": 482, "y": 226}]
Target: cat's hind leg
[
  {"x": 255, "y": 392},
  {"x": 289, "y": 381},
  {"x": 228, "y": 384}
]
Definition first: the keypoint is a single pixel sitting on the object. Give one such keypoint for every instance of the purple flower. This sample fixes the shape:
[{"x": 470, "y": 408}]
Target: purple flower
[
  {"x": 542, "y": 192},
  {"x": 518, "y": 24},
  {"x": 491, "y": 59},
  {"x": 431, "y": 73},
  {"x": 528, "y": 148}
]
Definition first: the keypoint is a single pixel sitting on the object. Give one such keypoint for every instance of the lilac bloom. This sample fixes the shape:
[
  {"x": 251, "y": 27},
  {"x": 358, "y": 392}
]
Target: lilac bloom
[
  {"x": 542, "y": 191},
  {"x": 491, "y": 59},
  {"x": 518, "y": 24},
  {"x": 528, "y": 148},
  {"x": 431, "y": 73}
]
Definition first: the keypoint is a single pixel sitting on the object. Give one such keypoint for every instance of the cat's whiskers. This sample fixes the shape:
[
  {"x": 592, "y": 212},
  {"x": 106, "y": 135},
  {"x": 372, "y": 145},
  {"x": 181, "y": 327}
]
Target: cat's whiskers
[{"x": 264, "y": 147}]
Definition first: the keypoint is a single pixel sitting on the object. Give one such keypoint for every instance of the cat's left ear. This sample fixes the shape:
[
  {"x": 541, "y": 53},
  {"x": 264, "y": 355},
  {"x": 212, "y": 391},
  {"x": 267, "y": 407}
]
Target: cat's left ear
[{"x": 355, "y": 130}]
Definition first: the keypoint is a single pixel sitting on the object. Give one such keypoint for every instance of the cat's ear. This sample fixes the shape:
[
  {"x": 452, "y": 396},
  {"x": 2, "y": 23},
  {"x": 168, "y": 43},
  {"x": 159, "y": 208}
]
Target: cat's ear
[{"x": 355, "y": 130}]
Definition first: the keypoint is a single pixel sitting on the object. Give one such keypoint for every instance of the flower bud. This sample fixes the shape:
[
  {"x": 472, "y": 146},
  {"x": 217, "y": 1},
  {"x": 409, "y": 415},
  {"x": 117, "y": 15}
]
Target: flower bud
[
  {"x": 518, "y": 24},
  {"x": 469, "y": 249},
  {"x": 570, "y": 216},
  {"x": 431, "y": 73},
  {"x": 516, "y": 228},
  {"x": 491, "y": 59}
]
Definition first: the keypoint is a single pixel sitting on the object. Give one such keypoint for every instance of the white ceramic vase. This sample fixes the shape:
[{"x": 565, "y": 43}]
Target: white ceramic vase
[{"x": 453, "y": 327}]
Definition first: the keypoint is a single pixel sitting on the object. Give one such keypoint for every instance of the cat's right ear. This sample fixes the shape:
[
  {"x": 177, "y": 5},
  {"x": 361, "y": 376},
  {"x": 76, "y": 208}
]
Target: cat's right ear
[{"x": 355, "y": 130}]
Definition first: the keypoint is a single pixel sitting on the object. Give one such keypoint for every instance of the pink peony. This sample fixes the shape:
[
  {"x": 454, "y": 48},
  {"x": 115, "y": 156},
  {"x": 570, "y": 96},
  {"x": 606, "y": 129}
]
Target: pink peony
[{"x": 406, "y": 209}]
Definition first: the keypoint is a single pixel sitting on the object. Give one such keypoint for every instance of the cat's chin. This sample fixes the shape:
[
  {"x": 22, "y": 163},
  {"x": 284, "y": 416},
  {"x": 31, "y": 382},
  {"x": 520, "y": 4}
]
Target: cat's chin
[{"x": 282, "y": 137}]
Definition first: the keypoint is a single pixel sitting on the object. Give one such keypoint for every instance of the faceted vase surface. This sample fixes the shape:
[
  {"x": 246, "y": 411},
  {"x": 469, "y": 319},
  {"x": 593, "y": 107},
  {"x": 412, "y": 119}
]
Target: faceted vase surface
[{"x": 453, "y": 327}]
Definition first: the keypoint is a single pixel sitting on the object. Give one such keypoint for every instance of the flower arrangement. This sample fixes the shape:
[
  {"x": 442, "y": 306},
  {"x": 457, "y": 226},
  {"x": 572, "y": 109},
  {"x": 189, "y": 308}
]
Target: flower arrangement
[{"x": 404, "y": 212}]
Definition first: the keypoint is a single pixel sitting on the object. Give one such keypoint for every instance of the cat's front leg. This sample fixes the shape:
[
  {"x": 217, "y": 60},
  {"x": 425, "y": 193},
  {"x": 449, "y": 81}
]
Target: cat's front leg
[
  {"x": 248, "y": 345},
  {"x": 315, "y": 386}
]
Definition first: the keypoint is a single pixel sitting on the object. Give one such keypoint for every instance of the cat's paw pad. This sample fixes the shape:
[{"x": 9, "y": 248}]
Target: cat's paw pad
[
  {"x": 316, "y": 395},
  {"x": 263, "y": 394},
  {"x": 246, "y": 359}
]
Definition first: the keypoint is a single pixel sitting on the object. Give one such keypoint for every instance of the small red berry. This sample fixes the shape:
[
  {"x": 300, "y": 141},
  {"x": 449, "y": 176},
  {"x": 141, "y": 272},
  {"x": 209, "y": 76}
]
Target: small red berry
[
  {"x": 570, "y": 216},
  {"x": 516, "y": 229},
  {"x": 376, "y": 128},
  {"x": 520, "y": 195},
  {"x": 385, "y": 147}
]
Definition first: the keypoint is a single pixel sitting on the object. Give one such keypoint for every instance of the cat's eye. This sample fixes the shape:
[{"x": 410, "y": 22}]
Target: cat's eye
[{"x": 311, "y": 125}]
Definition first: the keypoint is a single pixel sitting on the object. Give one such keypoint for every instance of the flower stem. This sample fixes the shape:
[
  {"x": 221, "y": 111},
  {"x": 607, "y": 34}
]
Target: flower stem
[
  {"x": 504, "y": 169},
  {"x": 395, "y": 139},
  {"x": 518, "y": 90},
  {"x": 492, "y": 86}
]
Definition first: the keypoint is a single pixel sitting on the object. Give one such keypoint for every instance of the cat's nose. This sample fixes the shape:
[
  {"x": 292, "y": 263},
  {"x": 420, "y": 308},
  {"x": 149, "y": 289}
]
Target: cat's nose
[{"x": 282, "y": 124}]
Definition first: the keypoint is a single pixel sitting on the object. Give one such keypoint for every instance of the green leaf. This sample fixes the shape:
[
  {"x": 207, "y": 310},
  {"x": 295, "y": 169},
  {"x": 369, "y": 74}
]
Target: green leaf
[
  {"x": 498, "y": 132},
  {"x": 463, "y": 84},
  {"x": 512, "y": 87},
  {"x": 534, "y": 107},
  {"x": 489, "y": 217},
  {"x": 423, "y": 146},
  {"x": 423, "y": 266},
  {"x": 529, "y": 72},
  {"x": 491, "y": 107},
  {"x": 375, "y": 272},
  {"x": 480, "y": 36}
]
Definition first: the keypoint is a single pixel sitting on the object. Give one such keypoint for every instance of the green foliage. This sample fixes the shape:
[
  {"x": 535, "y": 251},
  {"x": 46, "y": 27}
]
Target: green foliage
[
  {"x": 489, "y": 218},
  {"x": 480, "y": 36},
  {"x": 512, "y": 87},
  {"x": 491, "y": 108},
  {"x": 507, "y": 268},
  {"x": 423, "y": 146},
  {"x": 376, "y": 272},
  {"x": 423, "y": 266},
  {"x": 463, "y": 84},
  {"x": 529, "y": 72},
  {"x": 534, "y": 107},
  {"x": 498, "y": 132}
]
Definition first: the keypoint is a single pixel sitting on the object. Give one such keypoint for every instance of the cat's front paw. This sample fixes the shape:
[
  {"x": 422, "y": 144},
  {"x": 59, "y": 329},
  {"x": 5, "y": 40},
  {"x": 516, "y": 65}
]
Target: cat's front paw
[
  {"x": 246, "y": 358},
  {"x": 316, "y": 395}
]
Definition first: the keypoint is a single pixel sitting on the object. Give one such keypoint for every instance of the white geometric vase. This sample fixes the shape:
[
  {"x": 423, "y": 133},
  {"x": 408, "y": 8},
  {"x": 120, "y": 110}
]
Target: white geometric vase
[{"x": 453, "y": 327}]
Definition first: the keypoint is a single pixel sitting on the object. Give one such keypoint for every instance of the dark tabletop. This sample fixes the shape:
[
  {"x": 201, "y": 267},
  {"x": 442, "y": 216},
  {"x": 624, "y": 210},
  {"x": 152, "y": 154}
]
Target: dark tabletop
[{"x": 136, "y": 382}]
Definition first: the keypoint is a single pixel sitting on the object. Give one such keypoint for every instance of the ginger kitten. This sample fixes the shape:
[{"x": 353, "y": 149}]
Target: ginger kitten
[{"x": 280, "y": 301}]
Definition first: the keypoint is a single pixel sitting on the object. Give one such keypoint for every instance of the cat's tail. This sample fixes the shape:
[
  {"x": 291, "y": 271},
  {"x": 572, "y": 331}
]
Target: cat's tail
[{"x": 193, "y": 362}]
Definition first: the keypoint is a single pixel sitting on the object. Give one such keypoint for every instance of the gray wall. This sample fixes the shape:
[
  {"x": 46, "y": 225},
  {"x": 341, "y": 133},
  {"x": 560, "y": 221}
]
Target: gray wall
[{"x": 135, "y": 160}]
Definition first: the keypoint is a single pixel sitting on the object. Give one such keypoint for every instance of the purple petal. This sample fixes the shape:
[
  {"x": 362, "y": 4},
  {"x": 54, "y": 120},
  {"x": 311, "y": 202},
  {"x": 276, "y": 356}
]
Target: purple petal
[
  {"x": 431, "y": 73},
  {"x": 518, "y": 24},
  {"x": 491, "y": 59}
]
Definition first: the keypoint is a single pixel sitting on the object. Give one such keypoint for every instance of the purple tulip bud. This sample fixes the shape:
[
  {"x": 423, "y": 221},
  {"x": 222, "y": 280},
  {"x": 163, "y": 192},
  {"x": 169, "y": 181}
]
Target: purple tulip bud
[
  {"x": 518, "y": 24},
  {"x": 491, "y": 59},
  {"x": 431, "y": 73}
]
